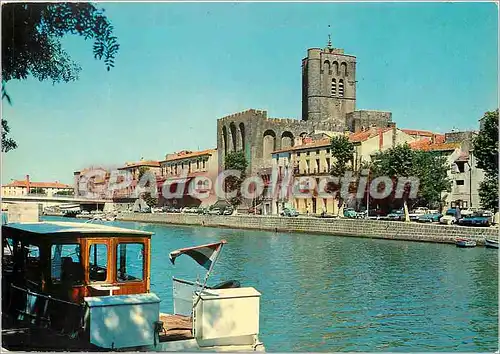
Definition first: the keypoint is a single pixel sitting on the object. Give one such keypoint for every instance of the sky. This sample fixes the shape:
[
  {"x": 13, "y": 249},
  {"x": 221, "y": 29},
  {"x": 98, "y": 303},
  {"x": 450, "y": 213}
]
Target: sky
[{"x": 181, "y": 66}]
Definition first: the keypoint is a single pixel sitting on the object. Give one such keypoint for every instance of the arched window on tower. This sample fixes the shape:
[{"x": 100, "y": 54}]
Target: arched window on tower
[
  {"x": 343, "y": 68},
  {"x": 326, "y": 66},
  {"x": 334, "y": 87},
  {"x": 341, "y": 88},
  {"x": 335, "y": 68}
]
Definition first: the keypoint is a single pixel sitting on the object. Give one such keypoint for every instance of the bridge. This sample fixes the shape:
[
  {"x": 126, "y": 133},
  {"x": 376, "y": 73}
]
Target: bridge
[{"x": 55, "y": 200}]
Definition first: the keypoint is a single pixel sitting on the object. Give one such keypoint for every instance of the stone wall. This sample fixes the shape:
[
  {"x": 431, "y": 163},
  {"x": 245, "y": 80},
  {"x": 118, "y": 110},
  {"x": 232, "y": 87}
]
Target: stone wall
[{"x": 341, "y": 227}]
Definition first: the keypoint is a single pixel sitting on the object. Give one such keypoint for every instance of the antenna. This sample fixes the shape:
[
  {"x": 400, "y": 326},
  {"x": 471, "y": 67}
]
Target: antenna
[{"x": 329, "y": 37}]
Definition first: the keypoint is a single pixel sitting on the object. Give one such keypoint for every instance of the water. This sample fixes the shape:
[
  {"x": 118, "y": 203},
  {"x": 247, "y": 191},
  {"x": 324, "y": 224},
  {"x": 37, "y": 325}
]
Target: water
[{"x": 324, "y": 293}]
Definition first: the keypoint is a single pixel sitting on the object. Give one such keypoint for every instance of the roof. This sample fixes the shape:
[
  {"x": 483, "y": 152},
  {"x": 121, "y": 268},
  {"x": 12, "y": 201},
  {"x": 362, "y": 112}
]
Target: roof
[
  {"x": 418, "y": 132},
  {"x": 464, "y": 157},
  {"x": 353, "y": 138},
  {"x": 61, "y": 227},
  {"x": 24, "y": 184},
  {"x": 149, "y": 163},
  {"x": 427, "y": 145},
  {"x": 188, "y": 154}
]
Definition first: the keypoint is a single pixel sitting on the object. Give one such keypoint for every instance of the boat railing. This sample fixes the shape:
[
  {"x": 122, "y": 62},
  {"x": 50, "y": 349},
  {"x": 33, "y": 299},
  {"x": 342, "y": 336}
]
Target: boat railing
[{"x": 43, "y": 310}]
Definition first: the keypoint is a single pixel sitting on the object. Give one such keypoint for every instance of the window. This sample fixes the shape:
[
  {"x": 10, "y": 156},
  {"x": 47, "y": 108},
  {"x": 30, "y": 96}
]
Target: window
[
  {"x": 341, "y": 88},
  {"x": 66, "y": 263},
  {"x": 460, "y": 166},
  {"x": 460, "y": 182},
  {"x": 98, "y": 262},
  {"x": 334, "y": 87},
  {"x": 130, "y": 262}
]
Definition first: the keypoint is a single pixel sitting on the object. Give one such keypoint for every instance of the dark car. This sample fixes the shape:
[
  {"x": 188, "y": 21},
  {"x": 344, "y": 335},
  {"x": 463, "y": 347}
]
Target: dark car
[
  {"x": 476, "y": 219},
  {"x": 398, "y": 215}
]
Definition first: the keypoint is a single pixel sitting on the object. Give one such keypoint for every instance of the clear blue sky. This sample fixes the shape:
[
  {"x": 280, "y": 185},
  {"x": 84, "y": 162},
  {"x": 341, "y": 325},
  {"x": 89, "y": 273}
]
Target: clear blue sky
[{"x": 183, "y": 65}]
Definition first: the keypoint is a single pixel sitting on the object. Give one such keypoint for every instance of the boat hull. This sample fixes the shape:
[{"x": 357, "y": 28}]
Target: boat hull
[
  {"x": 464, "y": 243},
  {"x": 491, "y": 243}
]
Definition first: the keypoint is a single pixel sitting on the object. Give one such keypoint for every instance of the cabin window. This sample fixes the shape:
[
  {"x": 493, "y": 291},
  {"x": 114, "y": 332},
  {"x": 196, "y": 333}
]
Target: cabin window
[
  {"x": 98, "y": 262},
  {"x": 130, "y": 262},
  {"x": 66, "y": 263}
]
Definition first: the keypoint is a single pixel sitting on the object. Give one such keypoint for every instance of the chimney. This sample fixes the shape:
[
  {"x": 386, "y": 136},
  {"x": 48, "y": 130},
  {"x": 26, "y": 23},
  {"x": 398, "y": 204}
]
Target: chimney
[
  {"x": 28, "y": 183},
  {"x": 394, "y": 132}
]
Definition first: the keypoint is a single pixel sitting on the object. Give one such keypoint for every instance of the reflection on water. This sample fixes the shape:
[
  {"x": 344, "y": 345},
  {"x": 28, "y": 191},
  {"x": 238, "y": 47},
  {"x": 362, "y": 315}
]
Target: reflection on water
[{"x": 324, "y": 293}]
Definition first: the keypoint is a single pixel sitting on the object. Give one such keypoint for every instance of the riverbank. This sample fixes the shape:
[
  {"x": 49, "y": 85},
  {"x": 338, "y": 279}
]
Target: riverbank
[{"x": 393, "y": 230}]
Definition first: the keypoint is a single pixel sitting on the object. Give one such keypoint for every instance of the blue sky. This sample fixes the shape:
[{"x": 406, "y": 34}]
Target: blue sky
[{"x": 183, "y": 65}]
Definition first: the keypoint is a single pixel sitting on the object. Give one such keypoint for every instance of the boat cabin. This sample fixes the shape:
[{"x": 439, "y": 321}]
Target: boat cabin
[{"x": 70, "y": 261}]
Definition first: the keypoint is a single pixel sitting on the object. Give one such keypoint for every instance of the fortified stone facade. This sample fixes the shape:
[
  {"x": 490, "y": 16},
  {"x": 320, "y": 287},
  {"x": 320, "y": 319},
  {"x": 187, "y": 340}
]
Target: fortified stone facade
[{"x": 328, "y": 107}]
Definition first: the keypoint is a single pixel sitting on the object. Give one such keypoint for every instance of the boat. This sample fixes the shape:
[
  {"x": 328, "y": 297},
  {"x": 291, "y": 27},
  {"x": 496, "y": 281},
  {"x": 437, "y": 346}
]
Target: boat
[
  {"x": 464, "y": 242},
  {"x": 86, "y": 287},
  {"x": 490, "y": 243}
]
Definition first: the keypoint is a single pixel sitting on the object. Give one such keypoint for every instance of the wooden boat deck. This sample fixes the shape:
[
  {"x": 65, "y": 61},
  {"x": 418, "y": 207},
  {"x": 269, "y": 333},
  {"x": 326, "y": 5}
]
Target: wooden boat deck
[{"x": 176, "y": 327}]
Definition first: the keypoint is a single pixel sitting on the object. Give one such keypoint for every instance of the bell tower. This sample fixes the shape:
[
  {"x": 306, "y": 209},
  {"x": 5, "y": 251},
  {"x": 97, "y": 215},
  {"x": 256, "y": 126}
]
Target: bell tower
[{"x": 328, "y": 85}]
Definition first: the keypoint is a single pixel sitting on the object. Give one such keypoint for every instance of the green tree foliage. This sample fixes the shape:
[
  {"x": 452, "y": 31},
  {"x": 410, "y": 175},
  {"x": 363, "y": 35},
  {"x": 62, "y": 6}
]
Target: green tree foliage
[
  {"x": 488, "y": 193},
  {"x": 7, "y": 143},
  {"x": 343, "y": 151},
  {"x": 403, "y": 162},
  {"x": 150, "y": 200},
  {"x": 142, "y": 171},
  {"x": 37, "y": 190},
  {"x": 486, "y": 151},
  {"x": 235, "y": 161},
  {"x": 31, "y": 41}
]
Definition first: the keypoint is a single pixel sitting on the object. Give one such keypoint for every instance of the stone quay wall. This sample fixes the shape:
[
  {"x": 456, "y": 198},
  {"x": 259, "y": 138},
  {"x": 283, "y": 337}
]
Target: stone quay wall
[{"x": 393, "y": 230}]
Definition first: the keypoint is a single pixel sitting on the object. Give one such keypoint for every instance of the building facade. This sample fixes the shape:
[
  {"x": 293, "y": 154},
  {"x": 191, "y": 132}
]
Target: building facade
[
  {"x": 26, "y": 187},
  {"x": 183, "y": 172},
  {"x": 314, "y": 159}
]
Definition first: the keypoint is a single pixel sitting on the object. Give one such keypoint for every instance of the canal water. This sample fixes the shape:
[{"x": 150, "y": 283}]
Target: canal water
[{"x": 325, "y": 293}]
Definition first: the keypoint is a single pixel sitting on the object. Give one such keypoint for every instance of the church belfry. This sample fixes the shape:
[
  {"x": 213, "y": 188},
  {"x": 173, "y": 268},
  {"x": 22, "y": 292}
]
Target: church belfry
[{"x": 328, "y": 85}]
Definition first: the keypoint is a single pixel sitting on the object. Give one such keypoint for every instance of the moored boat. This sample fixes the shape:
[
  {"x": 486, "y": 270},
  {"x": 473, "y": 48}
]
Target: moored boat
[
  {"x": 86, "y": 287},
  {"x": 464, "y": 242},
  {"x": 490, "y": 243}
]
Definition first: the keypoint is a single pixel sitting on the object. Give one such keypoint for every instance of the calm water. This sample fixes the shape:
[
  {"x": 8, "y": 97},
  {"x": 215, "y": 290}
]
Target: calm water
[{"x": 324, "y": 293}]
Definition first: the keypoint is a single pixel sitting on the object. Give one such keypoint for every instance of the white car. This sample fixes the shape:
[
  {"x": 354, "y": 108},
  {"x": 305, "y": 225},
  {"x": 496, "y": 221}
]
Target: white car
[{"x": 449, "y": 218}]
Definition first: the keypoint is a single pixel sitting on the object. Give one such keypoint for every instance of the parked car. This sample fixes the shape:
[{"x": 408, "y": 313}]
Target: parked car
[
  {"x": 476, "y": 219},
  {"x": 201, "y": 210},
  {"x": 157, "y": 210},
  {"x": 290, "y": 212},
  {"x": 396, "y": 215},
  {"x": 255, "y": 210},
  {"x": 350, "y": 213},
  {"x": 228, "y": 211},
  {"x": 215, "y": 211},
  {"x": 418, "y": 212},
  {"x": 450, "y": 217},
  {"x": 430, "y": 217}
]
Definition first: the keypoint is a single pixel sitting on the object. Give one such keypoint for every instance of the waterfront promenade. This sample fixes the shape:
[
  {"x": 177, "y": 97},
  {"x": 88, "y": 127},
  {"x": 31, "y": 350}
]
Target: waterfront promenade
[{"x": 394, "y": 230}]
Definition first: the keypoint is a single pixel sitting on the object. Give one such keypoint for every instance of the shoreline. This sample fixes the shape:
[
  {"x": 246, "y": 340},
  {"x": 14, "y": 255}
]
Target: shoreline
[{"x": 390, "y": 230}]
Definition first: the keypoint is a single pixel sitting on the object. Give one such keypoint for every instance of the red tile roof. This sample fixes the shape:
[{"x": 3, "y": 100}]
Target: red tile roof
[
  {"x": 426, "y": 145},
  {"x": 418, "y": 132},
  {"x": 149, "y": 163},
  {"x": 189, "y": 154},
  {"x": 24, "y": 184}
]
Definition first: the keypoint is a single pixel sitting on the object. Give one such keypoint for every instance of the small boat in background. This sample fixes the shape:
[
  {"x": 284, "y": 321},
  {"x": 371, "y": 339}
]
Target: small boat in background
[
  {"x": 464, "y": 242},
  {"x": 490, "y": 243}
]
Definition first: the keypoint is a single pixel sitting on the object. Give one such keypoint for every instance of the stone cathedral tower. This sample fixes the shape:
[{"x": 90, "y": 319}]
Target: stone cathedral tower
[{"x": 328, "y": 85}]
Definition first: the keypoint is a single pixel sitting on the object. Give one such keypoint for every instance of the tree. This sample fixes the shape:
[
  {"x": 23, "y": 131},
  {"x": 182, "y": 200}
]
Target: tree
[
  {"x": 485, "y": 147},
  {"x": 150, "y": 200},
  {"x": 342, "y": 151},
  {"x": 37, "y": 190},
  {"x": 142, "y": 171},
  {"x": 7, "y": 143},
  {"x": 403, "y": 162},
  {"x": 31, "y": 42},
  {"x": 235, "y": 161}
]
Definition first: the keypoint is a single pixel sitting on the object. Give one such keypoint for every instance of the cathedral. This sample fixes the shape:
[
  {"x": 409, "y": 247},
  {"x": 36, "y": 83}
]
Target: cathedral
[{"x": 328, "y": 107}]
